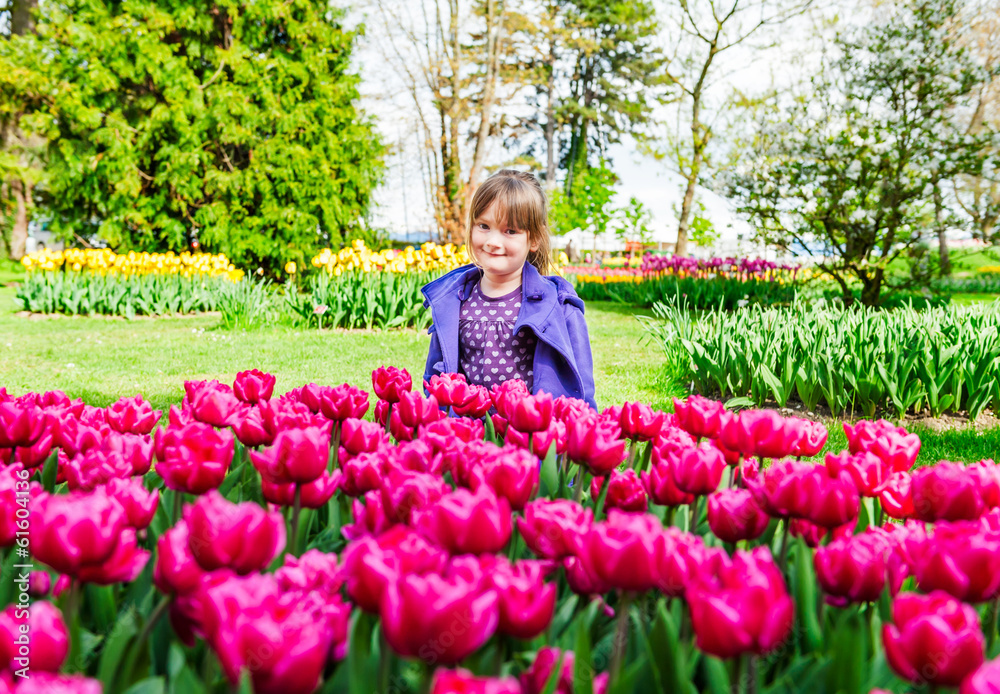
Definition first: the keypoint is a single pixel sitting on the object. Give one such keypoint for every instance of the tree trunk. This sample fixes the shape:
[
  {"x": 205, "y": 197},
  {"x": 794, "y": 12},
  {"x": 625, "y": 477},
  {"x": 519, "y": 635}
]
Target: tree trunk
[
  {"x": 19, "y": 234},
  {"x": 871, "y": 287},
  {"x": 685, "y": 217},
  {"x": 945, "y": 262},
  {"x": 494, "y": 36},
  {"x": 20, "y": 17}
]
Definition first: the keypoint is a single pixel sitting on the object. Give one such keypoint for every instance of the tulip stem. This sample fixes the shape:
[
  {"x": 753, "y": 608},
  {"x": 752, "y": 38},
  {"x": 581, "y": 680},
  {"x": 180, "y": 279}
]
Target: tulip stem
[
  {"x": 138, "y": 644},
  {"x": 621, "y": 637},
  {"x": 388, "y": 417},
  {"x": 737, "y": 673},
  {"x": 693, "y": 524},
  {"x": 783, "y": 553},
  {"x": 632, "y": 448},
  {"x": 879, "y": 514},
  {"x": 991, "y": 623},
  {"x": 296, "y": 510},
  {"x": 72, "y": 615},
  {"x": 578, "y": 485},
  {"x": 178, "y": 501},
  {"x": 751, "y": 674},
  {"x": 732, "y": 476}
]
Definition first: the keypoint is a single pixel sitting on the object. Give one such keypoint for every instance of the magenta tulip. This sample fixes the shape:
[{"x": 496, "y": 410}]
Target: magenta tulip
[
  {"x": 389, "y": 383},
  {"x": 527, "y": 603},
  {"x": 528, "y": 413},
  {"x": 212, "y": 402},
  {"x": 193, "y": 458},
  {"x": 625, "y": 491},
  {"x": 438, "y": 619},
  {"x": 450, "y": 390},
  {"x": 869, "y": 473},
  {"x": 33, "y": 639},
  {"x": 698, "y": 416},
  {"x": 553, "y": 529},
  {"x": 536, "y": 678},
  {"x": 465, "y": 522},
  {"x": 298, "y": 456},
  {"x": 960, "y": 558},
  {"x": 811, "y": 438},
  {"x": 242, "y": 537},
  {"x": 132, "y": 416},
  {"x": 853, "y": 569},
  {"x": 478, "y": 405},
  {"x": 313, "y": 494},
  {"x": 624, "y": 550},
  {"x": 641, "y": 422},
  {"x": 698, "y": 471},
  {"x": 253, "y": 386},
  {"x": 139, "y": 504},
  {"x": 464, "y": 682},
  {"x": 343, "y": 402},
  {"x": 71, "y": 531},
  {"x": 512, "y": 474},
  {"x": 176, "y": 571},
  {"x": 404, "y": 491},
  {"x": 659, "y": 483},
  {"x": 743, "y": 608},
  {"x": 985, "y": 680},
  {"x": 733, "y": 515},
  {"x": 20, "y": 426},
  {"x": 123, "y": 566},
  {"x": 934, "y": 639},
  {"x": 946, "y": 491},
  {"x": 595, "y": 444},
  {"x": 314, "y": 570}
]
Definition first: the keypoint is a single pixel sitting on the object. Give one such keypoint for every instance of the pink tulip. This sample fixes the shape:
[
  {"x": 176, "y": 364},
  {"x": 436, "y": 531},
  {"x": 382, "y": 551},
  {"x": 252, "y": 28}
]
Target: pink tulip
[
  {"x": 541, "y": 441},
  {"x": 640, "y": 421},
  {"x": 743, "y": 608},
  {"x": 20, "y": 426},
  {"x": 582, "y": 578},
  {"x": 660, "y": 485},
  {"x": 733, "y": 515},
  {"x": 512, "y": 474},
  {"x": 864, "y": 433},
  {"x": 95, "y": 468},
  {"x": 552, "y": 529},
  {"x": 283, "y": 639},
  {"x": 132, "y": 416},
  {"x": 504, "y": 394},
  {"x": 358, "y": 436},
  {"x": 389, "y": 383},
  {"x": 526, "y": 602},
  {"x": 438, "y": 619},
  {"x": 566, "y": 409},
  {"x": 465, "y": 522},
  {"x": 761, "y": 433},
  {"x": 123, "y": 566},
  {"x": 594, "y": 444},
  {"x": 13, "y": 478},
  {"x": 450, "y": 390},
  {"x": 698, "y": 471},
  {"x": 176, "y": 571},
  {"x": 298, "y": 456},
  {"x": 625, "y": 491},
  {"x": 989, "y": 481},
  {"x": 71, "y": 531},
  {"x": 39, "y": 584},
  {"x": 310, "y": 395},
  {"x": 136, "y": 450},
  {"x": 369, "y": 518},
  {"x": 946, "y": 491},
  {"x": 869, "y": 473},
  {"x": 959, "y": 558},
  {"x": 781, "y": 489},
  {"x": 811, "y": 438},
  {"x": 256, "y": 425},
  {"x": 371, "y": 564},
  {"x": 343, "y": 402},
  {"x": 212, "y": 402},
  {"x": 313, "y": 494},
  {"x": 34, "y": 638},
  {"x": 242, "y": 537},
  {"x": 682, "y": 556},
  {"x": 528, "y": 413},
  {"x": 415, "y": 410},
  {"x": 139, "y": 504},
  {"x": 896, "y": 497},
  {"x": 193, "y": 458},
  {"x": 363, "y": 473},
  {"x": 934, "y": 639},
  {"x": 985, "y": 680},
  {"x": 314, "y": 570},
  {"x": 253, "y": 386},
  {"x": 478, "y": 405},
  {"x": 889, "y": 443},
  {"x": 37, "y": 453},
  {"x": 853, "y": 569},
  {"x": 698, "y": 416},
  {"x": 51, "y": 683},
  {"x": 403, "y": 492},
  {"x": 536, "y": 678},
  {"x": 624, "y": 550},
  {"x": 464, "y": 682},
  {"x": 831, "y": 497}
]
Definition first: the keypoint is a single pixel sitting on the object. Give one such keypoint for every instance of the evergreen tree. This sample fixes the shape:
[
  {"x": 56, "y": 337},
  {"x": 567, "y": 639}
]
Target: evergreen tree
[{"x": 230, "y": 124}]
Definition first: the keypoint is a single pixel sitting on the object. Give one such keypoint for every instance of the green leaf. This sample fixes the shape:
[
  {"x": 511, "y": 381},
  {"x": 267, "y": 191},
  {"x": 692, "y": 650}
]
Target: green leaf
[
  {"x": 361, "y": 672},
  {"x": 115, "y": 646},
  {"x": 550, "y": 475},
  {"x": 151, "y": 685},
  {"x": 583, "y": 668},
  {"x": 50, "y": 471}
]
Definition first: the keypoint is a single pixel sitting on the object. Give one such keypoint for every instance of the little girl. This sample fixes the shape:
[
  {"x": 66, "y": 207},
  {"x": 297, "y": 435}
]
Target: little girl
[{"x": 501, "y": 317}]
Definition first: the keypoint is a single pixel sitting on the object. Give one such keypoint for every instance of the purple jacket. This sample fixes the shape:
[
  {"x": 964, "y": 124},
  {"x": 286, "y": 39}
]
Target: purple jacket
[{"x": 549, "y": 306}]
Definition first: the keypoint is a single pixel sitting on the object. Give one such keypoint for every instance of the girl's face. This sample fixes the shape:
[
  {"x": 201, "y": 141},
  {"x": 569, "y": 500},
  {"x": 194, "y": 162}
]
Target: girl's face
[{"x": 499, "y": 250}]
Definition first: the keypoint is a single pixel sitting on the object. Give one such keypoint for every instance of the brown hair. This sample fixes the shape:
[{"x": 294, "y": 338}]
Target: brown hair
[{"x": 521, "y": 205}]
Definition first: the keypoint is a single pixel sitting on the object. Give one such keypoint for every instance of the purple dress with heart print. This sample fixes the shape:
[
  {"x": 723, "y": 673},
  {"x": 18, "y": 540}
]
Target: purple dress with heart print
[{"x": 488, "y": 351}]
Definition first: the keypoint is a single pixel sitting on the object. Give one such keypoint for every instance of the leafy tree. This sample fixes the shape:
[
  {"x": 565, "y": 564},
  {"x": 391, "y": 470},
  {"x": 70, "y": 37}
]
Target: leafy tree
[
  {"x": 634, "y": 221},
  {"x": 233, "y": 124},
  {"x": 848, "y": 171},
  {"x": 589, "y": 206}
]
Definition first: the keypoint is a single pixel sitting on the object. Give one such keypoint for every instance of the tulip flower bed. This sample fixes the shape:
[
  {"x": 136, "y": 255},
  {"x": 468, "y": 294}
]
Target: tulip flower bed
[
  {"x": 521, "y": 545},
  {"x": 357, "y": 299},
  {"x": 77, "y": 294},
  {"x": 693, "y": 282},
  {"x": 858, "y": 360}
]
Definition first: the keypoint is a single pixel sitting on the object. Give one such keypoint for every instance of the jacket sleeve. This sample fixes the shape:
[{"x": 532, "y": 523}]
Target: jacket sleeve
[
  {"x": 435, "y": 359},
  {"x": 576, "y": 326}
]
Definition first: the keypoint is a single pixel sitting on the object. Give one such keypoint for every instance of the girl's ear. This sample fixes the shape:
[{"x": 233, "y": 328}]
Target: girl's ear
[{"x": 534, "y": 246}]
